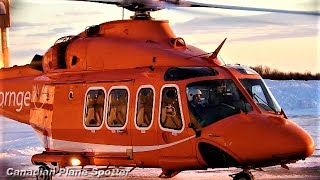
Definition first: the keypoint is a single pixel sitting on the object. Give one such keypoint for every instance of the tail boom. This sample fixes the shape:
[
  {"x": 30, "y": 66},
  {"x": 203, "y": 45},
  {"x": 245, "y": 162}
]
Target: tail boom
[{"x": 15, "y": 92}]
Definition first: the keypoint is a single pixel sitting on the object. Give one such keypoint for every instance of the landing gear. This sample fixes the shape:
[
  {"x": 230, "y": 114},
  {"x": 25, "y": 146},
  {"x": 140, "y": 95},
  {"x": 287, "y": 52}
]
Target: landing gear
[
  {"x": 244, "y": 175},
  {"x": 44, "y": 173},
  {"x": 168, "y": 173}
]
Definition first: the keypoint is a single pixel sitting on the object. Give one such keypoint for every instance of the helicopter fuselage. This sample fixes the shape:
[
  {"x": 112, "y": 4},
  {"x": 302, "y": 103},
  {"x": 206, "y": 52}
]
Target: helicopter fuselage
[{"x": 104, "y": 97}]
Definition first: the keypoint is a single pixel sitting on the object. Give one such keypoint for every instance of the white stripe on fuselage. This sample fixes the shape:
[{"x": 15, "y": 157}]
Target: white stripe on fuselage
[{"x": 70, "y": 146}]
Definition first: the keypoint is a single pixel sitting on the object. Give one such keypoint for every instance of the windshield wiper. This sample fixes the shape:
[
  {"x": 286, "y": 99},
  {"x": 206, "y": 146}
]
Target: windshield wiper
[{"x": 256, "y": 96}]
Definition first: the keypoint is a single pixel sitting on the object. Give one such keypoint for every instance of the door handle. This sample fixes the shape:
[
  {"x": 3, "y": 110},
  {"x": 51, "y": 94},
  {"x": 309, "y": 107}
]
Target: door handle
[
  {"x": 213, "y": 135},
  {"x": 122, "y": 131}
]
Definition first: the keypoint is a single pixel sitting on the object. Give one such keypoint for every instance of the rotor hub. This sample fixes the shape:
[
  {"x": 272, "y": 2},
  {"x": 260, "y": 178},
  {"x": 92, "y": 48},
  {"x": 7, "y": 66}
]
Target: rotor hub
[{"x": 141, "y": 15}]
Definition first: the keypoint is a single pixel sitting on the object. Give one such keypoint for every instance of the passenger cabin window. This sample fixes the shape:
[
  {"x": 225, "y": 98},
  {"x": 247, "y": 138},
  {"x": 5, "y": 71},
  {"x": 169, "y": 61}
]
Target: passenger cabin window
[
  {"x": 117, "y": 108},
  {"x": 170, "y": 117},
  {"x": 94, "y": 107},
  {"x": 144, "y": 111}
]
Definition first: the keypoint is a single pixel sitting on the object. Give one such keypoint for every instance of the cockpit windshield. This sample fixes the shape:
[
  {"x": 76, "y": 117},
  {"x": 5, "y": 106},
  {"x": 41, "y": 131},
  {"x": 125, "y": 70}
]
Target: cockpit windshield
[
  {"x": 261, "y": 94},
  {"x": 212, "y": 100}
]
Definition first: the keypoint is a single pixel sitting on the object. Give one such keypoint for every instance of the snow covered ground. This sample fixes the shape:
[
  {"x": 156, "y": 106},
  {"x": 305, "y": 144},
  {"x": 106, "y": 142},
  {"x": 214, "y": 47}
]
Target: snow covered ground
[{"x": 299, "y": 99}]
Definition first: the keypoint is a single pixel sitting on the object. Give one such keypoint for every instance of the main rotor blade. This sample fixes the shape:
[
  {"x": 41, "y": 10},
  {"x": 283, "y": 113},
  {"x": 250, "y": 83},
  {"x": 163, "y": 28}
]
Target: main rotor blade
[
  {"x": 153, "y": 5},
  {"x": 115, "y": 2},
  {"x": 195, "y": 4},
  {"x": 131, "y": 5}
]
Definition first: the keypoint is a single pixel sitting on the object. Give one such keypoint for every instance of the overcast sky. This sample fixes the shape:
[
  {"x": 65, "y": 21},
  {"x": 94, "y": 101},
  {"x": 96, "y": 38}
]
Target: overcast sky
[{"x": 286, "y": 42}]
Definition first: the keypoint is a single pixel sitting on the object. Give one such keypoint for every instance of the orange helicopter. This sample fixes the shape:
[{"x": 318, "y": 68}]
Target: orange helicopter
[{"x": 130, "y": 93}]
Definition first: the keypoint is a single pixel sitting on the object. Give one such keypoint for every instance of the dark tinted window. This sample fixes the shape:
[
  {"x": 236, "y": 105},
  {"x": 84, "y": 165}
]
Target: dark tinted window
[{"x": 181, "y": 73}]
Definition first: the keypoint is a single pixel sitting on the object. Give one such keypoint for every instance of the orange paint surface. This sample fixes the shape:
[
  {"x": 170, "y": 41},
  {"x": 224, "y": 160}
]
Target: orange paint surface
[{"x": 127, "y": 55}]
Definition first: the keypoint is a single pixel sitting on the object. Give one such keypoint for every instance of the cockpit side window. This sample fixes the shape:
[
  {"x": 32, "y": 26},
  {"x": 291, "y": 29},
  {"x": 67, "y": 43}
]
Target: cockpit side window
[
  {"x": 94, "y": 107},
  {"x": 213, "y": 100},
  {"x": 117, "y": 108},
  {"x": 261, "y": 94},
  {"x": 145, "y": 107},
  {"x": 170, "y": 116},
  {"x": 256, "y": 89}
]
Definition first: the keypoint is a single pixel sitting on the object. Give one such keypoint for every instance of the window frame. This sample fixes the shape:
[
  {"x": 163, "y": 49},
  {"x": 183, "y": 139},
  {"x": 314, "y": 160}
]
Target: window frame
[
  {"x": 173, "y": 131},
  {"x": 85, "y": 107},
  {"x": 113, "y": 129},
  {"x": 143, "y": 129}
]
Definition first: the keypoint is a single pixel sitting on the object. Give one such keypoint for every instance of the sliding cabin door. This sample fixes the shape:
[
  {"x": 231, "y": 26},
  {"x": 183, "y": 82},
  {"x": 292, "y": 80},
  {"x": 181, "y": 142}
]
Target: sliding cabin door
[
  {"x": 117, "y": 119},
  {"x": 144, "y": 128},
  {"x": 175, "y": 138}
]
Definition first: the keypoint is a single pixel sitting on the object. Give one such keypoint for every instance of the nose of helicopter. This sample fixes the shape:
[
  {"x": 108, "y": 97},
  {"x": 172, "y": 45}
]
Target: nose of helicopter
[
  {"x": 300, "y": 142},
  {"x": 306, "y": 145}
]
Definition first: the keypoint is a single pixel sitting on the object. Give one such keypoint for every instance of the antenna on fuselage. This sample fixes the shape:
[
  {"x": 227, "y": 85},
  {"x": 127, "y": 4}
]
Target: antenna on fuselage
[
  {"x": 216, "y": 52},
  {"x": 4, "y": 25}
]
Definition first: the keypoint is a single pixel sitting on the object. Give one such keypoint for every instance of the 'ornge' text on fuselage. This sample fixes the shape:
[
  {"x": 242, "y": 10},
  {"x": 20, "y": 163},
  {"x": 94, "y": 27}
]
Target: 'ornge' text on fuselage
[{"x": 12, "y": 98}]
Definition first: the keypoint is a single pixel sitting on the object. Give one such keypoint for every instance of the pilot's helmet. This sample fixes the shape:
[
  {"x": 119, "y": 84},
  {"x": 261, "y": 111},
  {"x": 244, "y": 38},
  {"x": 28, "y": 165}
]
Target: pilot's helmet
[{"x": 192, "y": 92}]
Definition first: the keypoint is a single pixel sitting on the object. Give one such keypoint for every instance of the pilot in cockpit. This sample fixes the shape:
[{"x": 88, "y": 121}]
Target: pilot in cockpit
[
  {"x": 194, "y": 96},
  {"x": 195, "y": 105}
]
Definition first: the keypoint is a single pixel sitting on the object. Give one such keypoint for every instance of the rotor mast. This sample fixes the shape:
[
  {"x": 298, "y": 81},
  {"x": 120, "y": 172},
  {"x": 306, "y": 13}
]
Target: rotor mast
[
  {"x": 4, "y": 26},
  {"x": 141, "y": 15}
]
